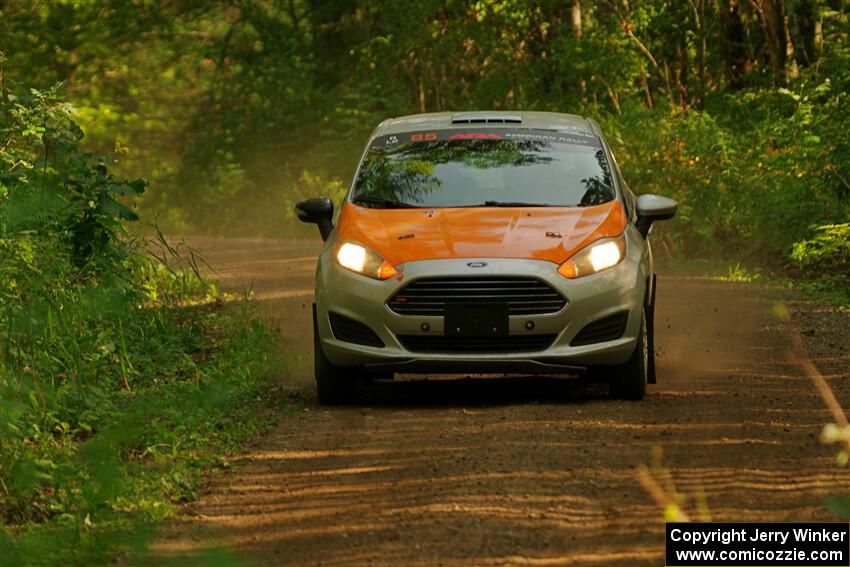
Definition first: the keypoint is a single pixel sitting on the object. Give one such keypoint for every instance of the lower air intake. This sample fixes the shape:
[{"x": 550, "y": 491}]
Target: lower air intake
[
  {"x": 606, "y": 329},
  {"x": 351, "y": 331}
]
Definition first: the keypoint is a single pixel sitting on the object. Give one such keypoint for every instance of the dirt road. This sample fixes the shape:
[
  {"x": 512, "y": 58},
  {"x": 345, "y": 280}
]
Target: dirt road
[{"x": 525, "y": 471}]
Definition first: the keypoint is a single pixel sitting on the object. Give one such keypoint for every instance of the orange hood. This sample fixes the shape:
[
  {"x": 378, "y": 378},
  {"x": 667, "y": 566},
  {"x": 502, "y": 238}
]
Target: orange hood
[{"x": 542, "y": 233}]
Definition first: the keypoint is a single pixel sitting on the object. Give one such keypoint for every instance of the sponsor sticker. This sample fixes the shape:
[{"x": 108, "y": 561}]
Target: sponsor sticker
[
  {"x": 475, "y": 136},
  {"x": 512, "y": 134}
]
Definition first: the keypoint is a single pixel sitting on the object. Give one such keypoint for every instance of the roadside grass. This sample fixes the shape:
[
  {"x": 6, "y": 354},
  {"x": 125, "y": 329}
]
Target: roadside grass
[
  {"x": 818, "y": 266},
  {"x": 125, "y": 376},
  {"x": 151, "y": 449},
  {"x": 832, "y": 289}
]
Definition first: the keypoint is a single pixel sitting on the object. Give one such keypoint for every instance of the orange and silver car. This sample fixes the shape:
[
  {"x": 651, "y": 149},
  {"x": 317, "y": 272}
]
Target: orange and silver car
[{"x": 485, "y": 242}]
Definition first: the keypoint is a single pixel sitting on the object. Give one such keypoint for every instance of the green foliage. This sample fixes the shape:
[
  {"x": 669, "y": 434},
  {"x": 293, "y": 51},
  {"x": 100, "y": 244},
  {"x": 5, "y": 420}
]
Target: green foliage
[
  {"x": 831, "y": 288},
  {"x": 238, "y": 110},
  {"x": 754, "y": 173},
  {"x": 839, "y": 506},
  {"x": 115, "y": 372},
  {"x": 827, "y": 251},
  {"x": 140, "y": 451},
  {"x": 48, "y": 183},
  {"x": 738, "y": 273},
  {"x": 120, "y": 377}
]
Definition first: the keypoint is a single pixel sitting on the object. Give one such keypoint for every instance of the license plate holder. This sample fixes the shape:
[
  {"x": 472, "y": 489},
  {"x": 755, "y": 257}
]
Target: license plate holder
[{"x": 476, "y": 320}]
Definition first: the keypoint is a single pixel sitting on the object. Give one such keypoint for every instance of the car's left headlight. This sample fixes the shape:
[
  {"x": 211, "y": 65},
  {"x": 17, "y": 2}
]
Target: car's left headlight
[
  {"x": 367, "y": 262},
  {"x": 595, "y": 257}
]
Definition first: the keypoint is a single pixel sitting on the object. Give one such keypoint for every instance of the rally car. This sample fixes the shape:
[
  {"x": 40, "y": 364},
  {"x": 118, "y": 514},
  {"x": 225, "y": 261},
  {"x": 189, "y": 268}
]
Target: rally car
[{"x": 485, "y": 242}]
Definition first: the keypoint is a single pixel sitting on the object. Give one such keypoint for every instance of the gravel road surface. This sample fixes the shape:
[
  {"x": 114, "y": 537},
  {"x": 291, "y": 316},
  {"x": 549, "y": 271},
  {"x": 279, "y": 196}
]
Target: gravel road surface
[{"x": 523, "y": 471}]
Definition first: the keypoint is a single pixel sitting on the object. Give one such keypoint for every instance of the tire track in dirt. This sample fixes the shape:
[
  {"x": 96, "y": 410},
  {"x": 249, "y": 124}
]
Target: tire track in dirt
[{"x": 518, "y": 470}]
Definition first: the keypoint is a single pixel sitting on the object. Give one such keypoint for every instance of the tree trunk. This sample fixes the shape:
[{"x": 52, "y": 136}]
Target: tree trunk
[
  {"x": 575, "y": 18},
  {"x": 683, "y": 74},
  {"x": 734, "y": 45},
  {"x": 805, "y": 40},
  {"x": 793, "y": 69},
  {"x": 421, "y": 95},
  {"x": 645, "y": 84},
  {"x": 772, "y": 20},
  {"x": 698, "y": 8}
]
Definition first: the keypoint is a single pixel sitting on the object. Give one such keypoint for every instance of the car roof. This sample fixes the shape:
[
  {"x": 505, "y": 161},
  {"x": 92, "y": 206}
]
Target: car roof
[{"x": 501, "y": 118}]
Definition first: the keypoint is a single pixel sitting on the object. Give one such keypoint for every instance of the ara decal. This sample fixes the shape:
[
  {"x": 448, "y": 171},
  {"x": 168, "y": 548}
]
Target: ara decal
[{"x": 475, "y": 136}]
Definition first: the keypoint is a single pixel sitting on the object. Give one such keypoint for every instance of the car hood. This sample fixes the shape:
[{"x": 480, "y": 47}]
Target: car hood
[{"x": 543, "y": 233}]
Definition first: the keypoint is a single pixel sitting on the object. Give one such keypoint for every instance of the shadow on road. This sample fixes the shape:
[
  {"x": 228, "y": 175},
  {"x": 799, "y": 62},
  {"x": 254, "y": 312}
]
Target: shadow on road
[
  {"x": 521, "y": 469},
  {"x": 478, "y": 391}
]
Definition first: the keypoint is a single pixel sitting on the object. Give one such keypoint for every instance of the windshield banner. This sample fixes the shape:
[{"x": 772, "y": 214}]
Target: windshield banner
[{"x": 392, "y": 141}]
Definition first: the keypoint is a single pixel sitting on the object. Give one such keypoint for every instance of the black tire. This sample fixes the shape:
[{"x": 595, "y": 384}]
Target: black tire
[
  {"x": 628, "y": 381},
  {"x": 650, "y": 329},
  {"x": 651, "y": 377},
  {"x": 335, "y": 385}
]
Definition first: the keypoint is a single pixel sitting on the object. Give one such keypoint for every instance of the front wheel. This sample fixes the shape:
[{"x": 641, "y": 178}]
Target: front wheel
[
  {"x": 628, "y": 381},
  {"x": 335, "y": 385}
]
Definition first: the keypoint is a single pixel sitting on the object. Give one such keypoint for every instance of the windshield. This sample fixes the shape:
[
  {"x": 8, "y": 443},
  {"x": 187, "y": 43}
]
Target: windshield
[{"x": 487, "y": 167}]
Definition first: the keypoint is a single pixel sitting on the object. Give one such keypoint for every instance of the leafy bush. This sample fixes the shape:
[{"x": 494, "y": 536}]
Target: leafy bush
[
  {"x": 754, "y": 173},
  {"x": 828, "y": 251},
  {"x": 117, "y": 372}
]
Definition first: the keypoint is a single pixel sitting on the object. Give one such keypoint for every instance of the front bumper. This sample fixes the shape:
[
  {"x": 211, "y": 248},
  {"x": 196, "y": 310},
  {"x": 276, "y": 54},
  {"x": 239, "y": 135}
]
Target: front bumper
[{"x": 622, "y": 288}]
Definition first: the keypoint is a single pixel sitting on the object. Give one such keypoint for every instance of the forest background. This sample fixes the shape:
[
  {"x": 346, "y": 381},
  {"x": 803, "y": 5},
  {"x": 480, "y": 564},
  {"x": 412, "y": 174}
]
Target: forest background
[{"x": 122, "y": 378}]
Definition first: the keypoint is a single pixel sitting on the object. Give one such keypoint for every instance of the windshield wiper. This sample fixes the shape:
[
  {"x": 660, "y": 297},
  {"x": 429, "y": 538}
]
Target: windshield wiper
[
  {"x": 383, "y": 203},
  {"x": 513, "y": 204}
]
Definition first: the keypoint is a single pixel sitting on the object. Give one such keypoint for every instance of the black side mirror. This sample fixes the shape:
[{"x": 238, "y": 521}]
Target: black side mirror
[
  {"x": 319, "y": 211},
  {"x": 651, "y": 208}
]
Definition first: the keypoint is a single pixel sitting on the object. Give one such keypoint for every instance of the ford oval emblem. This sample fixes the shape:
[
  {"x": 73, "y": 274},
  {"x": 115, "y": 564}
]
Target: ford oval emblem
[{"x": 476, "y": 264}]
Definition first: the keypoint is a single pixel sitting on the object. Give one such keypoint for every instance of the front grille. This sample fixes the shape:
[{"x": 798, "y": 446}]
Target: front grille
[
  {"x": 605, "y": 329},
  {"x": 524, "y": 296},
  {"x": 351, "y": 331},
  {"x": 476, "y": 345}
]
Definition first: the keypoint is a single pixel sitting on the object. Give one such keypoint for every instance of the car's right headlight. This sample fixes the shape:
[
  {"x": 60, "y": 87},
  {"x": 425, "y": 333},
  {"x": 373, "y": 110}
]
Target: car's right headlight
[
  {"x": 360, "y": 259},
  {"x": 595, "y": 257}
]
